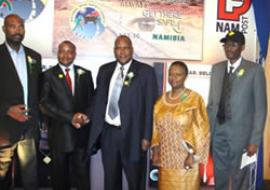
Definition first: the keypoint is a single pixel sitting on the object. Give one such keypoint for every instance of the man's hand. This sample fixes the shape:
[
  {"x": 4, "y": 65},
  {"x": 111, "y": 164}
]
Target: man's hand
[
  {"x": 252, "y": 149},
  {"x": 145, "y": 144},
  {"x": 18, "y": 112},
  {"x": 79, "y": 119}
]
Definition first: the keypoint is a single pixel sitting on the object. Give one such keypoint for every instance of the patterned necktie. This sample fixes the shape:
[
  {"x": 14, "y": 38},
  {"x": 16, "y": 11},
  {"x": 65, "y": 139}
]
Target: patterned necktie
[
  {"x": 113, "y": 110},
  {"x": 68, "y": 79},
  {"x": 224, "y": 111},
  {"x": 231, "y": 70}
]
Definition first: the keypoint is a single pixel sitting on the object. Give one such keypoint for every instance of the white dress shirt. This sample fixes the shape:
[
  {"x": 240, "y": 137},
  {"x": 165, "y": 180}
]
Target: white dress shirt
[
  {"x": 117, "y": 120},
  {"x": 235, "y": 65},
  {"x": 20, "y": 64},
  {"x": 71, "y": 74}
]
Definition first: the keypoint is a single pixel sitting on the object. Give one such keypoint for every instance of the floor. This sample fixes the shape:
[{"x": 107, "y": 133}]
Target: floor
[{"x": 265, "y": 187}]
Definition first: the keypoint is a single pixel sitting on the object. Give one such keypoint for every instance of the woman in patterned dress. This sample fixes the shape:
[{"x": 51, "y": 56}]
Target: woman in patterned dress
[{"x": 180, "y": 135}]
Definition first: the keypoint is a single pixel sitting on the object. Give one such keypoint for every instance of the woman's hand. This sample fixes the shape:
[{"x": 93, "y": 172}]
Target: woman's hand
[{"x": 189, "y": 162}]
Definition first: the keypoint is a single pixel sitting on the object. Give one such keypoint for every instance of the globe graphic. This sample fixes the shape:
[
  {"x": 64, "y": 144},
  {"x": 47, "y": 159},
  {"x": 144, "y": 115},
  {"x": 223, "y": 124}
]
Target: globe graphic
[
  {"x": 27, "y": 9},
  {"x": 87, "y": 23}
]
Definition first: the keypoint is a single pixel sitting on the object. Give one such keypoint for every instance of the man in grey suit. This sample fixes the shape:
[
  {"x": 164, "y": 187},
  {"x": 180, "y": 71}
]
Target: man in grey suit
[{"x": 237, "y": 112}]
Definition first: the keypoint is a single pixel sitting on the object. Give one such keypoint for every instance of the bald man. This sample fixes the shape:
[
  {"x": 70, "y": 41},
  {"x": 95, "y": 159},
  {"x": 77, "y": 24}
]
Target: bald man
[
  {"x": 20, "y": 69},
  {"x": 123, "y": 110}
]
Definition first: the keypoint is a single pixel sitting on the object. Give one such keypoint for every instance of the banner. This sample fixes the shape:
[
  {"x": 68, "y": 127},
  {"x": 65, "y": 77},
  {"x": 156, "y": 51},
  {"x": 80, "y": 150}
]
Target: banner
[
  {"x": 161, "y": 31},
  {"x": 267, "y": 126}
]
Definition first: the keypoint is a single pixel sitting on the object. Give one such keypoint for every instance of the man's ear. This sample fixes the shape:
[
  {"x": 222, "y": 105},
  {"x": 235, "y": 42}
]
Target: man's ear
[
  {"x": 4, "y": 29},
  {"x": 243, "y": 47}
]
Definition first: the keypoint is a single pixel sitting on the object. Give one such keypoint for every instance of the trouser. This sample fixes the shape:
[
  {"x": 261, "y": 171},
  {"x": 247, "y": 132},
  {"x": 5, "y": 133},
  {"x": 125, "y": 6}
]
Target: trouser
[
  {"x": 26, "y": 153},
  {"x": 114, "y": 162},
  {"x": 70, "y": 164},
  {"x": 227, "y": 158}
]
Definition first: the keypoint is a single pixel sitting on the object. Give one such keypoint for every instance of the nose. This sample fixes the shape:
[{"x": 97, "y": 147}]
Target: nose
[{"x": 19, "y": 29}]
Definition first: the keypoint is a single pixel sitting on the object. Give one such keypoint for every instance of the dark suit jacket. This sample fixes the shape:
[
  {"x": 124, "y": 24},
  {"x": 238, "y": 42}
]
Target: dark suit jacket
[
  {"x": 60, "y": 105},
  {"x": 136, "y": 106},
  {"x": 11, "y": 93}
]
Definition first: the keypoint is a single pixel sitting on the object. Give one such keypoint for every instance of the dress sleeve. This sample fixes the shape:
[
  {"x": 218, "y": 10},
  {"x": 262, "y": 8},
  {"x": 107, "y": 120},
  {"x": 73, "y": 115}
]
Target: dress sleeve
[
  {"x": 198, "y": 135},
  {"x": 155, "y": 135}
]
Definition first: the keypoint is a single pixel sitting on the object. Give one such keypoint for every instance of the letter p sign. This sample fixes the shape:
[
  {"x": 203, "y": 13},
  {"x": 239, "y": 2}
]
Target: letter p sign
[{"x": 232, "y": 9}]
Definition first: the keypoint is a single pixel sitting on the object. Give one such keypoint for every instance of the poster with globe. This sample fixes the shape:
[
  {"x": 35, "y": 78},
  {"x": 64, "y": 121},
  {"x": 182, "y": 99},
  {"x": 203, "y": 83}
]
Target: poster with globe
[
  {"x": 158, "y": 29},
  {"x": 31, "y": 8}
]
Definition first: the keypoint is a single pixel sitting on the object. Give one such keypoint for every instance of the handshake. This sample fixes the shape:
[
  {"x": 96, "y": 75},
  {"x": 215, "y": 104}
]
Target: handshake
[{"x": 79, "y": 120}]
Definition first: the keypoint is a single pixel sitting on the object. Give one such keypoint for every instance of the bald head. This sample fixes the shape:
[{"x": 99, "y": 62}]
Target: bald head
[
  {"x": 69, "y": 43},
  {"x": 123, "y": 49},
  {"x": 123, "y": 38},
  {"x": 12, "y": 16},
  {"x": 14, "y": 30}
]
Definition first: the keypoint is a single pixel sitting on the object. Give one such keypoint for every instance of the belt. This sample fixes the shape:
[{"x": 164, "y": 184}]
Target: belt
[{"x": 112, "y": 126}]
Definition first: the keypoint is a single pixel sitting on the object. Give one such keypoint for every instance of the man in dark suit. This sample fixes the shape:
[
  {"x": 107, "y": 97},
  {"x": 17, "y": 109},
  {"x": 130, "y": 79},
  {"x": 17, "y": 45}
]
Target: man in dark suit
[
  {"x": 237, "y": 112},
  {"x": 20, "y": 69},
  {"x": 66, "y": 96},
  {"x": 122, "y": 118}
]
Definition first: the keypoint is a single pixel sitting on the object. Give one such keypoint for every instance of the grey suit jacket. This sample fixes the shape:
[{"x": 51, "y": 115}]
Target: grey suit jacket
[{"x": 248, "y": 103}]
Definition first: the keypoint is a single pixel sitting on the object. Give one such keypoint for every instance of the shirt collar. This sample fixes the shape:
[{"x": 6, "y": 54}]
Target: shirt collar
[
  {"x": 235, "y": 65},
  {"x": 21, "y": 49},
  {"x": 126, "y": 66},
  {"x": 70, "y": 67}
]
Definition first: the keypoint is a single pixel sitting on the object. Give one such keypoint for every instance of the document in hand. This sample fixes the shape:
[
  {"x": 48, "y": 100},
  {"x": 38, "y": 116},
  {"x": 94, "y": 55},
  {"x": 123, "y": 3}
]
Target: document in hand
[{"x": 246, "y": 160}]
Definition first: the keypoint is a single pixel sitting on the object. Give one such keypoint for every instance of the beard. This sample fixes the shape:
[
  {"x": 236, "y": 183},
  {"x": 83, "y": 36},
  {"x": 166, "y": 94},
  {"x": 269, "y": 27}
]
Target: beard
[{"x": 15, "y": 39}]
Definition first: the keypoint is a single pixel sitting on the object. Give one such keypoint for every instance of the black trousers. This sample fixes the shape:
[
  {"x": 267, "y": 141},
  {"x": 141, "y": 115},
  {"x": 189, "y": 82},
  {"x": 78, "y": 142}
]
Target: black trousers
[
  {"x": 114, "y": 162},
  {"x": 73, "y": 165},
  {"x": 25, "y": 151}
]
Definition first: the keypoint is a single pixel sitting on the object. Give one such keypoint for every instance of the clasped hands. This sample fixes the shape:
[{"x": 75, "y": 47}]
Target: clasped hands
[{"x": 79, "y": 120}]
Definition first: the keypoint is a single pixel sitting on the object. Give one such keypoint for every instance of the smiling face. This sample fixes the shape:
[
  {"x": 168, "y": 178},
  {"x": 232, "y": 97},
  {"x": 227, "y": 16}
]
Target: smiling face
[
  {"x": 66, "y": 53},
  {"x": 14, "y": 30},
  {"x": 233, "y": 50},
  {"x": 177, "y": 76},
  {"x": 123, "y": 49}
]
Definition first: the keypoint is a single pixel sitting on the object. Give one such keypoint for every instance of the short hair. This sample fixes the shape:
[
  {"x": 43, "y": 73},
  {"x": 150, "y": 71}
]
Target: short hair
[
  {"x": 67, "y": 42},
  {"x": 12, "y": 15},
  {"x": 125, "y": 37},
  {"x": 181, "y": 64}
]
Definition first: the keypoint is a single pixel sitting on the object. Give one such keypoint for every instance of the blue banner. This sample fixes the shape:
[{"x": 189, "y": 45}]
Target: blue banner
[{"x": 262, "y": 19}]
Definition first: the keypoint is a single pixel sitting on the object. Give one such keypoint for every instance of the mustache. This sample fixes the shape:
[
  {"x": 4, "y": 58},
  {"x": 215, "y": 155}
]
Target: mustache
[{"x": 17, "y": 35}]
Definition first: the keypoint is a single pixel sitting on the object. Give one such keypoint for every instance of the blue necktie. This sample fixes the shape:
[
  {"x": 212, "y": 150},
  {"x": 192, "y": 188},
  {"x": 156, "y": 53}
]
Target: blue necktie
[{"x": 115, "y": 95}]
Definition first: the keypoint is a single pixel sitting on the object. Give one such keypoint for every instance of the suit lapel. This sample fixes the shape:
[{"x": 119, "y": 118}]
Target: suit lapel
[
  {"x": 108, "y": 76},
  {"x": 239, "y": 72},
  {"x": 8, "y": 60},
  {"x": 220, "y": 78},
  {"x": 76, "y": 80},
  {"x": 242, "y": 66},
  {"x": 62, "y": 79},
  {"x": 29, "y": 80},
  {"x": 125, "y": 88}
]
